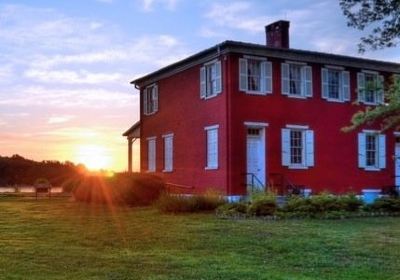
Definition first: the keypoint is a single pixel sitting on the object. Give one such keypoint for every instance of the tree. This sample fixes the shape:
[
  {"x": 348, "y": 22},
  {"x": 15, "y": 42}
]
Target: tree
[{"x": 383, "y": 16}]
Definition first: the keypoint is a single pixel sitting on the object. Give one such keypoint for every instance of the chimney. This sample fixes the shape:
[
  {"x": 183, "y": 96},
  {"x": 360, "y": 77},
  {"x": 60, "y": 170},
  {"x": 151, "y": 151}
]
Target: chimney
[{"x": 277, "y": 34}]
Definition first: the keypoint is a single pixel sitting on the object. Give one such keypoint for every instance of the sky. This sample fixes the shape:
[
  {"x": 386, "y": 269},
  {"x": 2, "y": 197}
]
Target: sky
[{"x": 65, "y": 65}]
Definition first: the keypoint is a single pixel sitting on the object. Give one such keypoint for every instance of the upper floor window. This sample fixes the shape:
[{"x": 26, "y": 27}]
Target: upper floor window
[
  {"x": 370, "y": 88},
  {"x": 210, "y": 79},
  {"x": 255, "y": 75},
  {"x": 335, "y": 84},
  {"x": 371, "y": 150},
  {"x": 150, "y": 99},
  {"x": 297, "y": 147},
  {"x": 296, "y": 80}
]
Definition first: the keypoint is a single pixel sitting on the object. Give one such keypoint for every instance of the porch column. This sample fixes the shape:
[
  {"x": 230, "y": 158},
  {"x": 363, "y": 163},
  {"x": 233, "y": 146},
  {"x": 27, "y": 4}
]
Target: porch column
[{"x": 130, "y": 141}]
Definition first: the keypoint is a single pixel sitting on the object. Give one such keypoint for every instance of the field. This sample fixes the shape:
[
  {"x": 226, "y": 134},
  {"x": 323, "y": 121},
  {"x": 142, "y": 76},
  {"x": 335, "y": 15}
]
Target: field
[{"x": 61, "y": 239}]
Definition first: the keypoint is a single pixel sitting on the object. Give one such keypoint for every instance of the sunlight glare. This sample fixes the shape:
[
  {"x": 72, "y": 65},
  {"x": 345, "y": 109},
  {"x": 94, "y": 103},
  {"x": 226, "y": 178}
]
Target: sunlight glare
[{"x": 94, "y": 157}]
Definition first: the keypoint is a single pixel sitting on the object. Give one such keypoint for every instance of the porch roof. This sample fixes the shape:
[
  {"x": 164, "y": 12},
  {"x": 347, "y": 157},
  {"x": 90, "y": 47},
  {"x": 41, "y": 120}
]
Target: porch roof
[{"x": 133, "y": 131}]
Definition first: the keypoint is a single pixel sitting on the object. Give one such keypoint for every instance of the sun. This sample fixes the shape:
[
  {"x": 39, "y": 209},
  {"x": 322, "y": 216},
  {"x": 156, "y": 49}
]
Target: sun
[{"x": 94, "y": 157}]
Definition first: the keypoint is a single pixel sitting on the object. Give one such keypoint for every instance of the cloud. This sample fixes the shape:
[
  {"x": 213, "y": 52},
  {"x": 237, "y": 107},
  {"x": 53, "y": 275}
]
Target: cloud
[
  {"x": 60, "y": 119},
  {"x": 148, "y": 5}
]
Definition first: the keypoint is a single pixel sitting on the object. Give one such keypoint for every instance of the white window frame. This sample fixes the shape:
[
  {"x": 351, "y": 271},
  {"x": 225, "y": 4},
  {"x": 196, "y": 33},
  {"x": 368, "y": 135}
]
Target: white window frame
[
  {"x": 265, "y": 75},
  {"x": 210, "y": 79},
  {"x": 307, "y": 142},
  {"x": 306, "y": 79},
  {"x": 151, "y": 155},
  {"x": 343, "y": 84},
  {"x": 361, "y": 87},
  {"x": 380, "y": 150},
  {"x": 211, "y": 147},
  {"x": 168, "y": 152},
  {"x": 150, "y": 99}
]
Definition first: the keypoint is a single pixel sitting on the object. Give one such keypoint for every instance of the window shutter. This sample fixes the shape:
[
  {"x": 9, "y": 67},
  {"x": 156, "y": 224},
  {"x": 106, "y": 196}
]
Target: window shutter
[
  {"x": 151, "y": 155},
  {"x": 346, "y": 85},
  {"x": 243, "y": 86},
  {"x": 218, "y": 77},
  {"x": 361, "y": 150},
  {"x": 212, "y": 148},
  {"x": 155, "y": 98},
  {"x": 309, "y": 134},
  {"x": 360, "y": 87},
  {"x": 266, "y": 76},
  {"x": 168, "y": 158},
  {"x": 285, "y": 78},
  {"x": 380, "y": 90},
  {"x": 325, "y": 84},
  {"x": 382, "y": 150},
  {"x": 306, "y": 79},
  {"x": 203, "y": 82},
  {"x": 285, "y": 147},
  {"x": 144, "y": 92}
]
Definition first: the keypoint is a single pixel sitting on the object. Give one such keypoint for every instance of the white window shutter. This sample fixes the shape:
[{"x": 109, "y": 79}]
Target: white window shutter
[
  {"x": 325, "y": 84},
  {"x": 309, "y": 134},
  {"x": 151, "y": 155},
  {"x": 285, "y": 147},
  {"x": 346, "y": 85},
  {"x": 285, "y": 78},
  {"x": 212, "y": 148},
  {"x": 306, "y": 79},
  {"x": 266, "y": 76},
  {"x": 361, "y": 150},
  {"x": 218, "y": 77},
  {"x": 144, "y": 92},
  {"x": 360, "y": 87},
  {"x": 380, "y": 90},
  {"x": 155, "y": 98},
  {"x": 168, "y": 153},
  {"x": 243, "y": 81},
  {"x": 203, "y": 82},
  {"x": 382, "y": 150}
]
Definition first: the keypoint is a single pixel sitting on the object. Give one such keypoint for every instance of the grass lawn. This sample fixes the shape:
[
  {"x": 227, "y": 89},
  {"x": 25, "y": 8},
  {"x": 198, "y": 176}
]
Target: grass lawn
[{"x": 60, "y": 239}]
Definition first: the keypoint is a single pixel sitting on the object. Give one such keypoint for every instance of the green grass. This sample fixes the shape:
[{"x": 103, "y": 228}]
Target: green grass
[{"x": 60, "y": 239}]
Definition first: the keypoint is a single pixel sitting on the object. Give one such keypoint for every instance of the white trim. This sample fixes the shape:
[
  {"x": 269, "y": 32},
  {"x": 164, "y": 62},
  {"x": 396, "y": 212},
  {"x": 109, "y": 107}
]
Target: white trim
[
  {"x": 295, "y": 62},
  {"x": 371, "y": 131},
  {"x": 294, "y": 126},
  {"x": 370, "y": 71},
  {"x": 370, "y": 190},
  {"x": 167, "y": 135},
  {"x": 296, "y": 96},
  {"x": 256, "y": 124},
  {"x": 335, "y": 100},
  {"x": 215, "y": 126},
  {"x": 151, "y": 138},
  {"x": 211, "y": 168},
  {"x": 297, "y": 166},
  {"x": 335, "y": 67},
  {"x": 255, "y": 92},
  {"x": 255, "y": 57},
  {"x": 396, "y": 133},
  {"x": 372, "y": 168}
]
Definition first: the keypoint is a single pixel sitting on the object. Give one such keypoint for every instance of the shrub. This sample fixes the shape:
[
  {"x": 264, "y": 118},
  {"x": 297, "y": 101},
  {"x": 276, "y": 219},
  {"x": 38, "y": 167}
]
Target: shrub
[
  {"x": 232, "y": 209},
  {"x": 385, "y": 204},
  {"x": 350, "y": 202},
  {"x": 130, "y": 189},
  {"x": 263, "y": 206},
  {"x": 196, "y": 203}
]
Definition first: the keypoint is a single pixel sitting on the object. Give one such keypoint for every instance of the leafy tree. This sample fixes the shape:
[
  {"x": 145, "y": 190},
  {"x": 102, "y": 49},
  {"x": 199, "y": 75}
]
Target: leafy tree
[{"x": 383, "y": 16}]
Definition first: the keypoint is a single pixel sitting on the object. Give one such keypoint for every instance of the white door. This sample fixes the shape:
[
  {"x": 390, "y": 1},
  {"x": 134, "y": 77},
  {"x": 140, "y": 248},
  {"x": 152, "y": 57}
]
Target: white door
[
  {"x": 397, "y": 164},
  {"x": 256, "y": 158}
]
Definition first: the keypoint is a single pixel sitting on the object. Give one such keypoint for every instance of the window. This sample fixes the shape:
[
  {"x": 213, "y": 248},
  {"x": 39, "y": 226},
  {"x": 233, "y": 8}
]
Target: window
[
  {"x": 210, "y": 79},
  {"x": 370, "y": 88},
  {"x": 296, "y": 80},
  {"x": 151, "y": 154},
  {"x": 297, "y": 147},
  {"x": 150, "y": 99},
  {"x": 168, "y": 152},
  {"x": 255, "y": 75},
  {"x": 335, "y": 84},
  {"x": 371, "y": 150},
  {"x": 212, "y": 147}
]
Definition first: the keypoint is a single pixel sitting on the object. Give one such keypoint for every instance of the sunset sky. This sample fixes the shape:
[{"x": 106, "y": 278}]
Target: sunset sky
[{"x": 65, "y": 66}]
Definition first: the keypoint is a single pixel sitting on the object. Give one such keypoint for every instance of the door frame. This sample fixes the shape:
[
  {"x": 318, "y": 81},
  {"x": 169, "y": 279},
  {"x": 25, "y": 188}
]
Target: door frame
[{"x": 262, "y": 126}]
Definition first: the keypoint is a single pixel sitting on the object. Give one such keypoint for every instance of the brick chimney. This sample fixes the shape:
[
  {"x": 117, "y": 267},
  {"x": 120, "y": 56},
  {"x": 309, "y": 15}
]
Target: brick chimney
[{"x": 277, "y": 34}]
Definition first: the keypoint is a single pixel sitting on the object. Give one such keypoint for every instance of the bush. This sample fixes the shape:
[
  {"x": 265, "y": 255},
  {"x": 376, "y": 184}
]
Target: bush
[
  {"x": 232, "y": 209},
  {"x": 350, "y": 202},
  {"x": 196, "y": 203},
  {"x": 263, "y": 206},
  {"x": 129, "y": 189},
  {"x": 385, "y": 204}
]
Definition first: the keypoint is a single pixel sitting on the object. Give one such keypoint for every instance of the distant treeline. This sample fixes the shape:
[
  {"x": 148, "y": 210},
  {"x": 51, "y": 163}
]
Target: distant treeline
[{"x": 16, "y": 170}]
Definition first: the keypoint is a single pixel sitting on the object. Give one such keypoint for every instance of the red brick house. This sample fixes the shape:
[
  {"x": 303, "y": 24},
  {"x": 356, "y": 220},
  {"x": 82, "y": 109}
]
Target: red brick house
[{"x": 240, "y": 115}]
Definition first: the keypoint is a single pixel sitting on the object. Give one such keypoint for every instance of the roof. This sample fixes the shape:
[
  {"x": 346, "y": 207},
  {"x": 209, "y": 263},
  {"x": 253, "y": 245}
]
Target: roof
[
  {"x": 133, "y": 131},
  {"x": 263, "y": 50}
]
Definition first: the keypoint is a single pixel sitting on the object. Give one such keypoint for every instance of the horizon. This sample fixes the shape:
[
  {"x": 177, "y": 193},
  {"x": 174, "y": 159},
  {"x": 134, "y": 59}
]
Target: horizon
[{"x": 65, "y": 67}]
